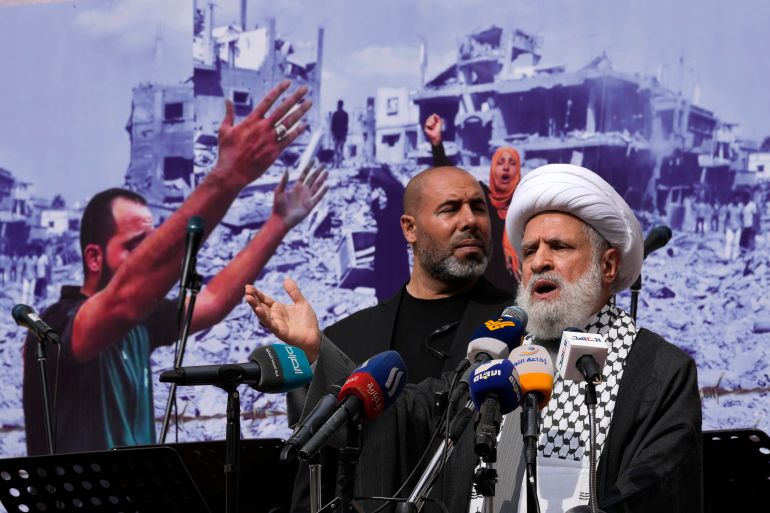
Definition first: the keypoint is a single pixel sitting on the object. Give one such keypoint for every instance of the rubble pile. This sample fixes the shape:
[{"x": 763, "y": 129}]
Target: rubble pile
[{"x": 711, "y": 308}]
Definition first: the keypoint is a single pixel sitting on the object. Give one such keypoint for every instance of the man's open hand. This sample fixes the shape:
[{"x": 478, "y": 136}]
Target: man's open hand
[
  {"x": 296, "y": 324},
  {"x": 249, "y": 148},
  {"x": 294, "y": 205}
]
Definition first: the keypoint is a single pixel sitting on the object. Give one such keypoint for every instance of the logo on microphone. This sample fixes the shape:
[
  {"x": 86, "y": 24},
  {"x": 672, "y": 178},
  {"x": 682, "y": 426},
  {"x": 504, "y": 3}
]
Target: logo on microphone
[
  {"x": 480, "y": 376},
  {"x": 496, "y": 325},
  {"x": 394, "y": 378},
  {"x": 529, "y": 351},
  {"x": 294, "y": 360},
  {"x": 374, "y": 393}
]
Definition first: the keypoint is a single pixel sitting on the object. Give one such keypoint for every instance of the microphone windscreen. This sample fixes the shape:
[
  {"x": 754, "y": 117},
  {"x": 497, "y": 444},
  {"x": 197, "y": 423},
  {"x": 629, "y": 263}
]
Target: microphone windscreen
[
  {"x": 496, "y": 337},
  {"x": 499, "y": 377},
  {"x": 516, "y": 313},
  {"x": 656, "y": 239},
  {"x": 377, "y": 382},
  {"x": 535, "y": 369},
  {"x": 20, "y": 314},
  {"x": 283, "y": 368},
  {"x": 195, "y": 224},
  {"x": 575, "y": 345}
]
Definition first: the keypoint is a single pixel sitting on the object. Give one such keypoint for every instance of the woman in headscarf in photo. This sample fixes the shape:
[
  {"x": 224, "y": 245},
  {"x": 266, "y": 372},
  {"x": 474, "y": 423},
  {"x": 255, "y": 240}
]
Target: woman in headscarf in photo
[{"x": 504, "y": 175}]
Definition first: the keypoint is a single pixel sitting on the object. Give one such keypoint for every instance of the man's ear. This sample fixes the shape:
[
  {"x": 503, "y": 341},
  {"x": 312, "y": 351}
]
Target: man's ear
[
  {"x": 610, "y": 264},
  {"x": 93, "y": 256},
  {"x": 409, "y": 228}
]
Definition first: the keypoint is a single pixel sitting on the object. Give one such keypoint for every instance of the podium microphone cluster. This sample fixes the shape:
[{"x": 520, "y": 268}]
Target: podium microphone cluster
[
  {"x": 371, "y": 388},
  {"x": 492, "y": 340}
]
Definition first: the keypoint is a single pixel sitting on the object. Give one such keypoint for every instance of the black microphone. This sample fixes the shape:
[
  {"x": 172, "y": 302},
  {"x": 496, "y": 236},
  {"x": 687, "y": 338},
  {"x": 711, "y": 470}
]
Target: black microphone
[
  {"x": 25, "y": 316},
  {"x": 192, "y": 245},
  {"x": 248, "y": 373},
  {"x": 274, "y": 368},
  {"x": 656, "y": 239},
  {"x": 367, "y": 392},
  {"x": 310, "y": 424}
]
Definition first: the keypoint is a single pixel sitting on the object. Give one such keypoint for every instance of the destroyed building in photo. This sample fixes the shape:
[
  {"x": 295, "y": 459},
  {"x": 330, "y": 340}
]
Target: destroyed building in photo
[
  {"x": 173, "y": 128},
  {"x": 647, "y": 140}
]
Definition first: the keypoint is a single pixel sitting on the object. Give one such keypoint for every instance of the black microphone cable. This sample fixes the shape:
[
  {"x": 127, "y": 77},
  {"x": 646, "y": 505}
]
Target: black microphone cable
[{"x": 443, "y": 424}]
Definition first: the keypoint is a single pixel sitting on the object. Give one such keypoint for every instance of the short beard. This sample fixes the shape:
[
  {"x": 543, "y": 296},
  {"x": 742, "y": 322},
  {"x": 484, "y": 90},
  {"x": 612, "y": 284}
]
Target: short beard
[
  {"x": 105, "y": 277},
  {"x": 573, "y": 308},
  {"x": 448, "y": 268}
]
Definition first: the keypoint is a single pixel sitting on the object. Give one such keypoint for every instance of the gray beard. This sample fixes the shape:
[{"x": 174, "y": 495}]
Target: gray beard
[
  {"x": 573, "y": 308},
  {"x": 449, "y": 268}
]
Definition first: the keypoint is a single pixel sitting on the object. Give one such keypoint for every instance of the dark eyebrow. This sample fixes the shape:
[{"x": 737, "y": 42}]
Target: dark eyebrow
[
  {"x": 135, "y": 241},
  {"x": 474, "y": 202},
  {"x": 553, "y": 240},
  {"x": 528, "y": 245}
]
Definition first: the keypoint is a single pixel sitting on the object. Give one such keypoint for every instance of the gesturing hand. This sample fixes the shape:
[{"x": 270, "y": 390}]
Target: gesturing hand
[
  {"x": 295, "y": 204},
  {"x": 432, "y": 129},
  {"x": 295, "y": 324},
  {"x": 250, "y": 147}
]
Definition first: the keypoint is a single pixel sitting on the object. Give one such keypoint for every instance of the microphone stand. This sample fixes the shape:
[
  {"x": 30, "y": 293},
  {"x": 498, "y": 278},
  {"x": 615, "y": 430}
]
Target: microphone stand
[
  {"x": 314, "y": 469},
  {"x": 194, "y": 288},
  {"x": 530, "y": 420},
  {"x": 431, "y": 472},
  {"x": 346, "y": 469},
  {"x": 635, "y": 288},
  {"x": 42, "y": 360},
  {"x": 592, "y": 495},
  {"x": 232, "y": 448}
]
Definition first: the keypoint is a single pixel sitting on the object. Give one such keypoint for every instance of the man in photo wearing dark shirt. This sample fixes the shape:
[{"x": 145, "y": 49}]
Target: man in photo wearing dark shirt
[
  {"x": 111, "y": 323},
  {"x": 339, "y": 133}
]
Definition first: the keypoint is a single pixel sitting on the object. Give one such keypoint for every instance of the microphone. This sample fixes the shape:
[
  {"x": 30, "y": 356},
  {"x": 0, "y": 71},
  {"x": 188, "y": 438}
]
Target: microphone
[
  {"x": 495, "y": 391},
  {"x": 656, "y": 239},
  {"x": 272, "y": 369},
  {"x": 370, "y": 389},
  {"x": 581, "y": 356},
  {"x": 310, "y": 424},
  {"x": 535, "y": 369},
  {"x": 25, "y": 316},
  {"x": 536, "y": 373},
  {"x": 493, "y": 339},
  {"x": 192, "y": 245}
]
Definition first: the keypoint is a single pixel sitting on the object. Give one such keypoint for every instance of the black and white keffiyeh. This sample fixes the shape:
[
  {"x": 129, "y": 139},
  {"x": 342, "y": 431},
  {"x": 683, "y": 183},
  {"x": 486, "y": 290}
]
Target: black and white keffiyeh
[{"x": 565, "y": 430}]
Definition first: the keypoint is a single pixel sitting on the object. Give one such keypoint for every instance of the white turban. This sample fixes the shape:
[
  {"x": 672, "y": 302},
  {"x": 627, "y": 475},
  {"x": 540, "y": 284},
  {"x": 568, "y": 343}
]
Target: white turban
[{"x": 584, "y": 194}]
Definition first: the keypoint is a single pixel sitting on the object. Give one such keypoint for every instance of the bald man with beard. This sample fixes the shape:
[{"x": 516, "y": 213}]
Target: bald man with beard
[{"x": 429, "y": 322}]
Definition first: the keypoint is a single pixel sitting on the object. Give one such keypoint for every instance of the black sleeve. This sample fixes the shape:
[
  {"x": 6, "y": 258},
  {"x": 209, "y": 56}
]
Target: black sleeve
[
  {"x": 161, "y": 324},
  {"x": 439, "y": 156},
  {"x": 661, "y": 468}
]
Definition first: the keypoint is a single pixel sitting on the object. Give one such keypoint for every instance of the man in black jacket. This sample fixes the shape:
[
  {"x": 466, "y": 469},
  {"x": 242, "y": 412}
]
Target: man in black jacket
[
  {"x": 429, "y": 321},
  {"x": 579, "y": 244}
]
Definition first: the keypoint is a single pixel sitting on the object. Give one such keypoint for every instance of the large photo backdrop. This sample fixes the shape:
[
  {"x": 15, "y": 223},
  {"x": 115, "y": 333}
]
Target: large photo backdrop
[{"x": 667, "y": 102}]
